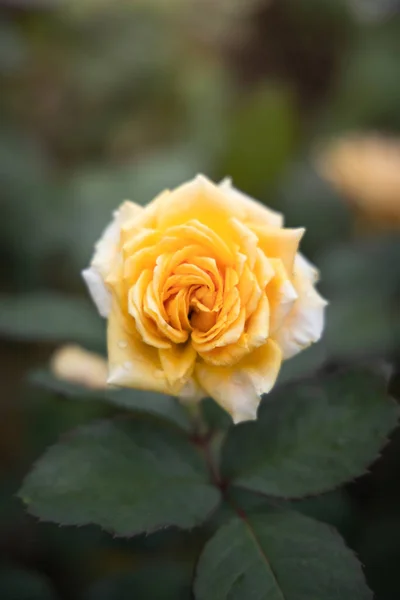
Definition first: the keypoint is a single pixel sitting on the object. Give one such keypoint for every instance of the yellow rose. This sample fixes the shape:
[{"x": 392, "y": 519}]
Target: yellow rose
[{"x": 205, "y": 295}]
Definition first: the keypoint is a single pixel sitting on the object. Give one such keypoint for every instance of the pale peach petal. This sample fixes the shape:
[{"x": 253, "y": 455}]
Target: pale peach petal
[
  {"x": 132, "y": 363},
  {"x": 366, "y": 170},
  {"x": 305, "y": 322},
  {"x": 238, "y": 389}
]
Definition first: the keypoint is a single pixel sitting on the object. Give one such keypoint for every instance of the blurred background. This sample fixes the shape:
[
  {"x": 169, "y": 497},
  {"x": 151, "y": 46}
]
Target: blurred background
[{"x": 298, "y": 101}]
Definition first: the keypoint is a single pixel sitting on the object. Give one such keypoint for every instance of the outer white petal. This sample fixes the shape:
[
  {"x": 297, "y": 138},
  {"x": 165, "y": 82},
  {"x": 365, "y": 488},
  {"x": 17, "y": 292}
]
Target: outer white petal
[
  {"x": 236, "y": 394},
  {"x": 304, "y": 324},
  {"x": 97, "y": 290},
  {"x": 287, "y": 299},
  {"x": 104, "y": 256},
  {"x": 308, "y": 269},
  {"x": 238, "y": 389},
  {"x": 255, "y": 211}
]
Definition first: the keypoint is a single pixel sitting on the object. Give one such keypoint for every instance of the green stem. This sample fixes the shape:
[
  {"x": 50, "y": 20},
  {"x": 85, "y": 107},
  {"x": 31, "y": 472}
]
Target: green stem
[{"x": 200, "y": 427}]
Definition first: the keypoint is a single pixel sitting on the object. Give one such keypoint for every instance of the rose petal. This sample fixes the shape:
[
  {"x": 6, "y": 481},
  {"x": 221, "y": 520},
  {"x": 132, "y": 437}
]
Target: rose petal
[
  {"x": 191, "y": 393},
  {"x": 144, "y": 324},
  {"x": 200, "y": 199},
  {"x": 98, "y": 291},
  {"x": 178, "y": 364},
  {"x": 281, "y": 294},
  {"x": 280, "y": 243},
  {"x": 102, "y": 261},
  {"x": 305, "y": 322},
  {"x": 247, "y": 241},
  {"x": 249, "y": 210},
  {"x": 132, "y": 363},
  {"x": 238, "y": 389},
  {"x": 255, "y": 335}
]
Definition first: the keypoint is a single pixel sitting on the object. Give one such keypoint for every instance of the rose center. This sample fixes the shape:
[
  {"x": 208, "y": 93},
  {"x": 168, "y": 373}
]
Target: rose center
[{"x": 192, "y": 296}]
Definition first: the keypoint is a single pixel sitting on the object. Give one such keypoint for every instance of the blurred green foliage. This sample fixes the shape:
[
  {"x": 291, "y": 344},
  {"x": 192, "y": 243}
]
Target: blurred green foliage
[{"x": 102, "y": 101}]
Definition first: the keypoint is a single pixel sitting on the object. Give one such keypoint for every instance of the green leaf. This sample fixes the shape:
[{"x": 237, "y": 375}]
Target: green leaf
[
  {"x": 214, "y": 415},
  {"x": 305, "y": 364},
  {"x": 378, "y": 545},
  {"x": 126, "y": 476},
  {"x": 333, "y": 508},
  {"x": 19, "y": 584},
  {"x": 50, "y": 317},
  {"x": 169, "y": 581},
  {"x": 278, "y": 556},
  {"x": 139, "y": 401},
  {"x": 50, "y": 417},
  {"x": 310, "y": 438}
]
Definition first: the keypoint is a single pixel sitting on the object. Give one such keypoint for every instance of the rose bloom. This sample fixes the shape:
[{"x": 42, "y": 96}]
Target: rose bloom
[
  {"x": 205, "y": 295},
  {"x": 366, "y": 170}
]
